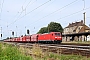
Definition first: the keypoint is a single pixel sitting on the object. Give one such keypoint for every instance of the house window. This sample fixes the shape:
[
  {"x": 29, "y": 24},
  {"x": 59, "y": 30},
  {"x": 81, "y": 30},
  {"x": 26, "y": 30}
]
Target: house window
[
  {"x": 66, "y": 29},
  {"x": 79, "y": 28}
]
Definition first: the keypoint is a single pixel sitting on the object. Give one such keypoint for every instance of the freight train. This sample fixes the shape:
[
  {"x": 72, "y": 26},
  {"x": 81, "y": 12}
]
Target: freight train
[{"x": 52, "y": 37}]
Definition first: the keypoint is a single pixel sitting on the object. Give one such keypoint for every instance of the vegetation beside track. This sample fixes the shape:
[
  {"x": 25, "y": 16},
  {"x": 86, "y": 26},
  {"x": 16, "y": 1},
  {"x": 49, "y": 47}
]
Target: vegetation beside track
[{"x": 9, "y": 52}]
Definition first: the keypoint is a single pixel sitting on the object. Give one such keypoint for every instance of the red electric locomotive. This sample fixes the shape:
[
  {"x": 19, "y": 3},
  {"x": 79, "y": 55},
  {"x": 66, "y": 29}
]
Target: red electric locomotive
[{"x": 52, "y": 37}]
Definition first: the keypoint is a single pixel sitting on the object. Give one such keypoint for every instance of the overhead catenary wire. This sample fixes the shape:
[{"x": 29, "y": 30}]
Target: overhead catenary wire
[
  {"x": 73, "y": 13},
  {"x": 59, "y": 18},
  {"x": 36, "y": 8},
  {"x": 30, "y": 12},
  {"x": 7, "y": 25},
  {"x": 52, "y": 12},
  {"x": 61, "y": 8},
  {"x": 55, "y": 11},
  {"x": 46, "y": 15},
  {"x": 67, "y": 15},
  {"x": 64, "y": 16},
  {"x": 18, "y": 12},
  {"x": 28, "y": 4},
  {"x": 21, "y": 11},
  {"x": 43, "y": 9}
]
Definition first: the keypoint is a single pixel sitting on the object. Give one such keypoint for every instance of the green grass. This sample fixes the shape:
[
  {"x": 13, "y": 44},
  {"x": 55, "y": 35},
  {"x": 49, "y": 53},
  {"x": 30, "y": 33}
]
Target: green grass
[{"x": 9, "y": 52}]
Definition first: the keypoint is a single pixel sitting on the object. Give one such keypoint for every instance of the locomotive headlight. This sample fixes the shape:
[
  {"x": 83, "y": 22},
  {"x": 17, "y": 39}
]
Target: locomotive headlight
[
  {"x": 59, "y": 37},
  {"x": 55, "y": 37}
]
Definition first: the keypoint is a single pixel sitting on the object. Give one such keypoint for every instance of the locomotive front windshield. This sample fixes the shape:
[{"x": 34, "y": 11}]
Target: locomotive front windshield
[{"x": 57, "y": 34}]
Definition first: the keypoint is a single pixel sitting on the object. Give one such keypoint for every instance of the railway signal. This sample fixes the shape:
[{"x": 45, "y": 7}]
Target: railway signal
[
  {"x": 28, "y": 31},
  {"x": 1, "y": 35},
  {"x": 13, "y": 33}
]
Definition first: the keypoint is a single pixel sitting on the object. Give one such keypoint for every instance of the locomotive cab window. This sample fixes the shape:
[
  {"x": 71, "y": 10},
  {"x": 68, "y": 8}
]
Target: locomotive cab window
[{"x": 57, "y": 34}]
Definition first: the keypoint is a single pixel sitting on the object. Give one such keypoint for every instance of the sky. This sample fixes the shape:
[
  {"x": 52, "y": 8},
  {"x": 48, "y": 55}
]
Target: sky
[{"x": 20, "y": 15}]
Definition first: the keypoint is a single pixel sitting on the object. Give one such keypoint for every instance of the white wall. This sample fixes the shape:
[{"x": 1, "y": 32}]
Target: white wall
[{"x": 88, "y": 38}]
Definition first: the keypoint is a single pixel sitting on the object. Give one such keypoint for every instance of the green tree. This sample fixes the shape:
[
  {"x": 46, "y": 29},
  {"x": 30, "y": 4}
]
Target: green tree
[
  {"x": 52, "y": 27},
  {"x": 43, "y": 30},
  {"x": 55, "y": 27}
]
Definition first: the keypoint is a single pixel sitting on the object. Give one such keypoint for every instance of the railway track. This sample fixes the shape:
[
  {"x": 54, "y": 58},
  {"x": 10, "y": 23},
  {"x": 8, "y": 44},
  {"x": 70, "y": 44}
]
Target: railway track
[
  {"x": 68, "y": 49},
  {"x": 59, "y": 48}
]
